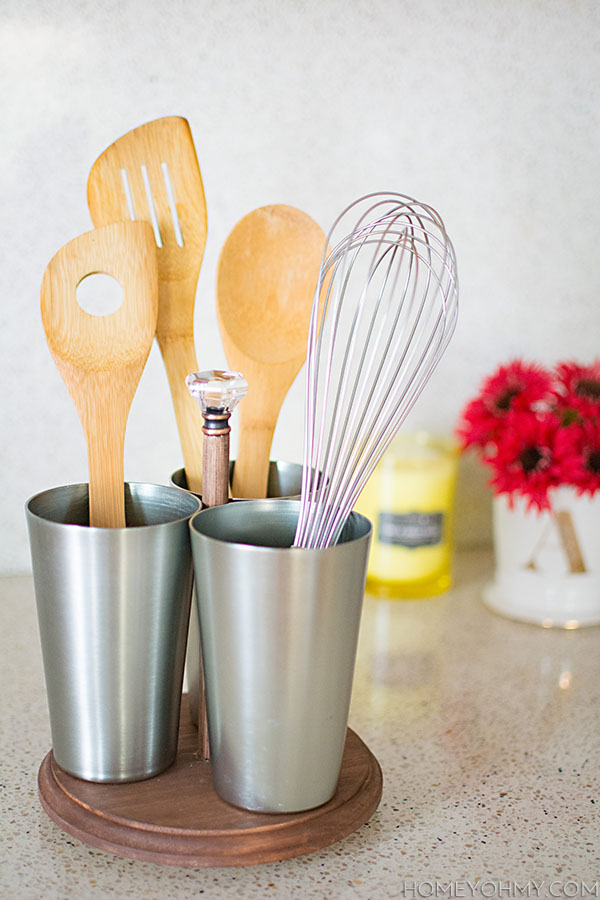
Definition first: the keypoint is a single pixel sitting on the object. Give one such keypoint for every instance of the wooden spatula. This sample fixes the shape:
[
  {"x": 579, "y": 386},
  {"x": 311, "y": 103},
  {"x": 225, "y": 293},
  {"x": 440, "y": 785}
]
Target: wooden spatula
[
  {"x": 267, "y": 274},
  {"x": 101, "y": 358},
  {"x": 152, "y": 174}
]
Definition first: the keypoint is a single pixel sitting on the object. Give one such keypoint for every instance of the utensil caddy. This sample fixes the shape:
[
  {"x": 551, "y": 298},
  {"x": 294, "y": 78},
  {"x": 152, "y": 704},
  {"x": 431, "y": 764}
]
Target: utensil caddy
[
  {"x": 178, "y": 818},
  {"x": 279, "y": 634}
]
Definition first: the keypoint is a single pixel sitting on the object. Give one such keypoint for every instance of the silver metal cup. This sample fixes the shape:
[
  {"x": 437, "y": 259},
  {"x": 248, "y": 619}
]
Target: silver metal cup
[
  {"x": 285, "y": 479},
  {"x": 285, "y": 482},
  {"x": 279, "y": 629},
  {"x": 113, "y": 607}
]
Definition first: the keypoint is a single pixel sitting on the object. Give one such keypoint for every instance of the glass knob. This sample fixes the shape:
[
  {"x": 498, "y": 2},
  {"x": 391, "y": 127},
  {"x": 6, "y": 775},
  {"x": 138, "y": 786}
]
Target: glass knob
[{"x": 217, "y": 391}]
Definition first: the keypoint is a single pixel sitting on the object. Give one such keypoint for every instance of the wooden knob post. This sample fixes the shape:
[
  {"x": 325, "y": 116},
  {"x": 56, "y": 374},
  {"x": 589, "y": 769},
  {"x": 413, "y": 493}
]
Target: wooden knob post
[
  {"x": 215, "y": 455},
  {"x": 218, "y": 393}
]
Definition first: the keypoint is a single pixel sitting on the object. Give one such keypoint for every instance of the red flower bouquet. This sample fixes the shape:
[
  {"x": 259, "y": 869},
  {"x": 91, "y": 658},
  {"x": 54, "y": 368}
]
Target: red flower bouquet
[{"x": 537, "y": 429}]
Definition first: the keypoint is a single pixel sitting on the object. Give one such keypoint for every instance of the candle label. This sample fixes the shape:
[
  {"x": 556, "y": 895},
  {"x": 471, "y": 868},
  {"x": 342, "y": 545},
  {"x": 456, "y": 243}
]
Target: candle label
[{"x": 411, "y": 529}]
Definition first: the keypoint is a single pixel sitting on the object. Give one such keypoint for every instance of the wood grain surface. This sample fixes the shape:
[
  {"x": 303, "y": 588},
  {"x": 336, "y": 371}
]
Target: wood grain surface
[
  {"x": 101, "y": 358},
  {"x": 147, "y": 150},
  {"x": 266, "y": 279}
]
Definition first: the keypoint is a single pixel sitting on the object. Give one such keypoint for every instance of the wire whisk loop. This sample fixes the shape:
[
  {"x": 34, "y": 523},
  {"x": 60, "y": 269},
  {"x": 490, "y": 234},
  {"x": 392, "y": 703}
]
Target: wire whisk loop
[{"x": 384, "y": 310}]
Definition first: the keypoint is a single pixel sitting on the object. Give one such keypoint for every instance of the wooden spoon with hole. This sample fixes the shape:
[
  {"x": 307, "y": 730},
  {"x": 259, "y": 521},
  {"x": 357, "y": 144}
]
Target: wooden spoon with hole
[
  {"x": 152, "y": 174},
  {"x": 101, "y": 358},
  {"x": 266, "y": 279}
]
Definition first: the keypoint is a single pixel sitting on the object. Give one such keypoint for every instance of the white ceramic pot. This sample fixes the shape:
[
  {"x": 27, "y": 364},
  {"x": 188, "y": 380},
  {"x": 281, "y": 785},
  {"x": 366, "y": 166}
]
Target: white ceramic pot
[{"x": 547, "y": 564}]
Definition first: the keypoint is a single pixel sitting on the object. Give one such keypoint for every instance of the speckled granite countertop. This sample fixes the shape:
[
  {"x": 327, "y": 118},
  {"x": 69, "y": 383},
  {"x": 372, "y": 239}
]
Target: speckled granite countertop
[{"x": 487, "y": 731}]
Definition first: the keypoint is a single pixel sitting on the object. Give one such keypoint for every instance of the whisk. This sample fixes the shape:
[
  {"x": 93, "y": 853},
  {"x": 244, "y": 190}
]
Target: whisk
[{"x": 384, "y": 310}]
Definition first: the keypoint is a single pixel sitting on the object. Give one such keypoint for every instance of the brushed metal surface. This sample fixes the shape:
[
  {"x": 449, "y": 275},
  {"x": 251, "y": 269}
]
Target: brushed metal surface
[
  {"x": 285, "y": 479},
  {"x": 113, "y": 607},
  {"x": 279, "y": 628},
  {"x": 285, "y": 483}
]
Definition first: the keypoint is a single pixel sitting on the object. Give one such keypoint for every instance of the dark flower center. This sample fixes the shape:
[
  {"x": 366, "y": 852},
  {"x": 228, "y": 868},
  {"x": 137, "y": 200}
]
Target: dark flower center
[
  {"x": 532, "y": 458},
  {"x": 569, "y": 416},
  {"x": 588, "y": 387},
  {"x": 593, "y": 461},
  {"x": 503, "y": 400}
]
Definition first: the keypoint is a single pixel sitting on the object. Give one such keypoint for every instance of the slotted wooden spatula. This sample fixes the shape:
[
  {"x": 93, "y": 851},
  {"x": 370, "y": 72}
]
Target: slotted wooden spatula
[
  {"x": 267, "y": 274},
  {"x": 101, "y": 358},
  {"x": 152, "y": 174}
]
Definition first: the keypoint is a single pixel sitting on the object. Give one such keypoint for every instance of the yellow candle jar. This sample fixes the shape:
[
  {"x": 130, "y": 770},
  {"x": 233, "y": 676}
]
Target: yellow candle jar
[{"x": 409, "y": 499}]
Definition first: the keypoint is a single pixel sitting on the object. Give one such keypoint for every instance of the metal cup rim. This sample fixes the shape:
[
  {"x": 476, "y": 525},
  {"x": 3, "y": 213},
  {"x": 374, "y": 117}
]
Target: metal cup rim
[
  {"x": 269, "y": 505},
  {"x": 171, "y": 489},
  {"x": 280, "y": 463}
]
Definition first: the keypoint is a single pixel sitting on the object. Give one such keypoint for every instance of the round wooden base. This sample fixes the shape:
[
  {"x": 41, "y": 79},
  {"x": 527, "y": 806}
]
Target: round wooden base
[{"x": 177, "y": 818}]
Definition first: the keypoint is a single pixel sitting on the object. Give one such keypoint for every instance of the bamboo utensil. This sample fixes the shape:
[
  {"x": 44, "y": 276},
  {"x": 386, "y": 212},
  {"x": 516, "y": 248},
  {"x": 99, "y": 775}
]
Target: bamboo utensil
[
  {"x": 101, "y": 358},
  {"x": 266, "y": 277},
  {"x": 152, "y": 173}
]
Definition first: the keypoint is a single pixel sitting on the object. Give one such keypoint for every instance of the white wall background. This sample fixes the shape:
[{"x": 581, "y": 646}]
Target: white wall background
[{"x": 489, "y": 110}]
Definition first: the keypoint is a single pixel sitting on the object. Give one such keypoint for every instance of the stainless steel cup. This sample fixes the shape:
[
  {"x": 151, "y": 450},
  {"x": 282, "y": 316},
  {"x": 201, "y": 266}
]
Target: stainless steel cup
[
  {"x": 113, "y": 607},
  {"x": 285, "y": 479},
  {"x": 279, "y": 629},
  {"x": 285, "y": 482}
]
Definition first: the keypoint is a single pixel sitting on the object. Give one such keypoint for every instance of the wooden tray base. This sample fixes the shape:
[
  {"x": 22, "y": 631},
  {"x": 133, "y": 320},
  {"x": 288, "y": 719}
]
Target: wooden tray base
[{"x": 177, "y": 818}]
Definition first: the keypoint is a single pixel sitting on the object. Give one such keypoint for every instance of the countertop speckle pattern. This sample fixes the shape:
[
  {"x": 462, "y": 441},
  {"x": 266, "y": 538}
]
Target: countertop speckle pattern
[{"x": 487, "y": 731}]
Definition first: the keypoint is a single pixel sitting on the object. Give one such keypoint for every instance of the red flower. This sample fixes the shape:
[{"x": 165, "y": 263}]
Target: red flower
[
  {"x": 525, "y": 460},
  {"x": 578, "y": 455},
  {"x": 537, "y": 429},
  {"x": 579, "y": 387},
  {"x": 515, "y": 386}
]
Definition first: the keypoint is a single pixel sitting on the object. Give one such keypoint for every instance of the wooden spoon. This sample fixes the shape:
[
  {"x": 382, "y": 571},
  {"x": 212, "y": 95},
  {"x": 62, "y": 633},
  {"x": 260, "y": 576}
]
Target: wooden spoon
[
  {"x": 101, "y": 358},
  {"x": 132, "y": 179},
  {"x": 266, "y": 278}
]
